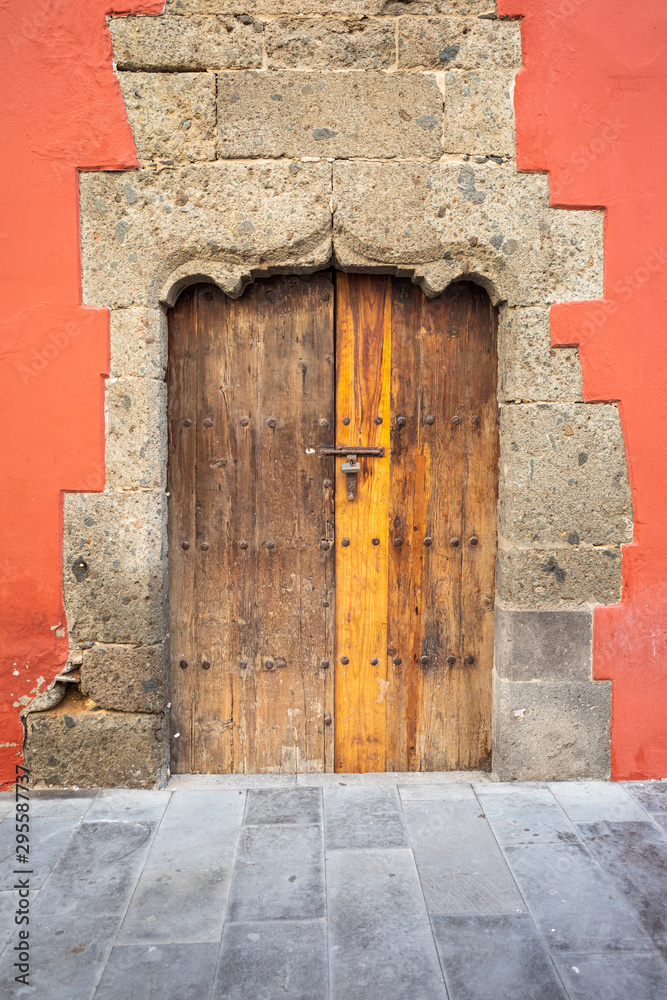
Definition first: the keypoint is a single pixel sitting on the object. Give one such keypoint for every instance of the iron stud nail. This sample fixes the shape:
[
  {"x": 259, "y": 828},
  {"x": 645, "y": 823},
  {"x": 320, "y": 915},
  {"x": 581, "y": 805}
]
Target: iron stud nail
[
  {"x": 324, "y": 422},
  {"x": 378, "y": 420},
  {"x": 270, "y": 545},
  {"x": 345, "y": 542},
  {"x": 451, "y": 660},
  {"x": 326, "y": 483},
  {"x": 206, "y": 664},
  {"x": 374, "y": 661},
  {"x": 272, "y": 421},
  {"x": 345, "y": 660},
  {"x": 470, "y": 659},
  {"x": 424, "y": 660},
  {"x": 204, "y": 546},
  {"x": 185, "y": 545},
  {"x": 243, "y": 545},
  {"x": 428, "y": 541},
  {"x": 346, "y": 420},
  {"x": 324, "y": 545},
  {"x": 474, "y": 420},
  {"x": 244, "y": 421},
  {"x": 398, "y": 541},
  {"x": 269, "y": 664},
  {"x": 430, "y": 419},
  {"x": 456, "y": 420},
  {"x": 243, "y": 664},
  {"x": 400, "y": 421},
  {"x": 453, "y": 542},
  {"x": 208, "y": 422},
  {"x": 474, "y": 540},
  {"x": 183, "y": 664},
  {"x": 324, "y": 664},
  {"x": 325, "y": 604},
  {"x": 376, "y": 541},
  {"x": 397, "y": 660},
  {"x": 187, "y": 422},
  {"x": 327, "y": 719}
]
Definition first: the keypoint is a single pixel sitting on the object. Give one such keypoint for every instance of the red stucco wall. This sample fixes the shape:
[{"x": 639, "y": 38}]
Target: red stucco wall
[{"x": 591, "y": 109}]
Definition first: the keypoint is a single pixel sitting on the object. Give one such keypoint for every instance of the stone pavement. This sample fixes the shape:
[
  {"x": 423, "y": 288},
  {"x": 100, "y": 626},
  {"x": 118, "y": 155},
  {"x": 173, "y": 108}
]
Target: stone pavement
[{"x": 344, "y": 887}]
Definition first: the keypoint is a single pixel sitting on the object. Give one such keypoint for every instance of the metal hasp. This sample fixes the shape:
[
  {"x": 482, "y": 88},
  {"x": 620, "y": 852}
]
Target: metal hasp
[{"x": 351, "y": 467}]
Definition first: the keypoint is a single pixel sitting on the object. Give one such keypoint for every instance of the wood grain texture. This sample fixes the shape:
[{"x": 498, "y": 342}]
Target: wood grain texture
[{"x": 251, "y": 595}]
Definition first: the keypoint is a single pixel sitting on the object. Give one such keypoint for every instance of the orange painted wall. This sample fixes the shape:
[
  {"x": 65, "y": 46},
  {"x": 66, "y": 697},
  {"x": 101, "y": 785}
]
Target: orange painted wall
[
  {"x": 61, "y": 109},
  {"x": 590, "y": 107}
]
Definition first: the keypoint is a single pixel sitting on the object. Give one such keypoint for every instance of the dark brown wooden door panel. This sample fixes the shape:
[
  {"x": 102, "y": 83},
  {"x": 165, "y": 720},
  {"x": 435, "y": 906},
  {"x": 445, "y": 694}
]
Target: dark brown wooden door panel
[
  {"x": 251, "y": 609},
  {"x": 251, "y": 541}
]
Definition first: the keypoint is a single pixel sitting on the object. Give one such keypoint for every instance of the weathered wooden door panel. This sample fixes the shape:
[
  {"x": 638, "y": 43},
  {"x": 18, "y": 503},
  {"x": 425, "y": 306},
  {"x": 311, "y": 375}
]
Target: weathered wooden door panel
[
  {"x": 419, "y": 567},
  {"x": 251, "y": 399}
]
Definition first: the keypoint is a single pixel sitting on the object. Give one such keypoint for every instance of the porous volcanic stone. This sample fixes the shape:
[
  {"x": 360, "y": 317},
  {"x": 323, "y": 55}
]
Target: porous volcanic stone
[
  {"x": 542, "y": 645},
  {"x": 529, "y": 368},
  {"x": 172, "y": 115},
  {"x": 138, "y": 343},
  {"x": 479, "y": 112},
  {"x": 126, "y": 678},
  {"x": 330, "y": 43},
  {"x": 559, "y": 577},
  {"x": 136, "y": 433},
  {"x": 458, "y": 43},
  {"x": 184, "y": 43}
]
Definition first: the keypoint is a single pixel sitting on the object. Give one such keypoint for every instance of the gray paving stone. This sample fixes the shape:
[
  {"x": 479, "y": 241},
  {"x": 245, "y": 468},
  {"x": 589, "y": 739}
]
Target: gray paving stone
[
  {"x": 68, "y": 957},
  {"x": 613, "y": 977},
  {"x": 133, "y": 804},
  {"x": 60, "y": 802},
  {"x": 380, "y": 941},
  {"x": 279, "y": 874},
  {"x": 199, "y": 830},
  {"x": 7, "y": 800},
  {"x": 177, "y": 907},
  {"x": 209, "y": 782},
  {"x": 7, "y": 926},
  {"x": 97, "y": 871},
  {"x": 573, "y": 903},
  {"x": 49, "y": 835},
  {"x": 274, "y": 958},
  {"x": 363, "y": 817},
  {"x": 526, "y": 815},
  {"x": 635, "y": 856},
  {"x": 320, "y": 780},
  {"x": 592, "y": 801},
  {"x": 461, "y": 867},
  {"x": 300, "y": 806},
  {"x": 420, "y": 793},
  {"x": 167, "y": 971},
  {"x": 651, "y": 795},
  {"x": 493, "y": 957}
]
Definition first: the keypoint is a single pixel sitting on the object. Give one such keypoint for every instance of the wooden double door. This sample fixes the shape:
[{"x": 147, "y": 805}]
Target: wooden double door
[{"x": 333, "y": 455}]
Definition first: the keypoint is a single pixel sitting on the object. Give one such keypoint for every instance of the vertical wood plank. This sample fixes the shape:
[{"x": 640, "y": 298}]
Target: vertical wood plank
[{"x": 363, "y": 345}]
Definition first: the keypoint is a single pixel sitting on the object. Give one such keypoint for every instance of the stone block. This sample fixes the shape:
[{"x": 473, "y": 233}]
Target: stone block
[
  {"x": 185, "y": 43},
  {"x": 75, "y": 745},
  {"x": 219, "y": 222},
  {"x": 342, "y": 115},
  {"x": 458, "y": 43},
  {"x": 441, "y": 221},
  {"x": 542, "y": 645},
  {"x": 172, "y": 115},
  {"x": 559, "y": 577},
  {"x": 136, "y": 433},
  {"x": 114, "y": 568},
  {"x": 325, "y": 7},
  {"x": 551, "y": 731},
  {"x": 479, "y": 112},
  {"x": 138, "y": 343},
  {"x": 529, "y": 368},
  {"x": 563, "y": 477},
  {"x": 125, "y": 678},
  {"x": 330, "y": 43}
]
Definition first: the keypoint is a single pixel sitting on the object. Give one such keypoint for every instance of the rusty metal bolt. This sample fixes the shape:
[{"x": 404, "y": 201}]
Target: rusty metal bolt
[
  {"x": 397, "y": 660},
  {"x": 324, "y": 664},
  {"x": 374, "y": 661},
  {"x": 424, "y": 660},
  {"x": 430, "y": 419},
  {"x": 206, "y": 664},
  {"x": 346, "y": 420},
  {"x": 378, "y": 420},
  {"x": 325, "y": 545},
  {"x": 243, "y": 544},
  {"x": 244, "y": 421},
  {"x": 400, "y": 421},
  {"x": 398, "y": 541},
  {"x": 185, "y": 545},
  {"x": 204, "y": 546},
  {"x": 272, "y": 421},
  {"x": 243, "y": 665},
  {"x": 474, "y": 539},
  {"x": 456, "y": 420},
  {"x": 187, "y": 422},
  {"x": 451, "y": 660},
  {"x": 270, "y": 545},
  {"x": 183, "y": 664},
  {"x": 345, "y": 660},
  {"x": 428, "y": 541},
  {"x": 324, "y": 422},
  {"x": 269, "y": 664},
  {"x": 453, "y": 542},
  {"x": 470, "y": 659},
  {"x": 474, "y": 420},
  {"x": 327, "y": 719},
  {"x": 208, "y": 422},
  {"x": 376, "y": 541},
  {"x": 325, "y": 604},
  {"x": 345, "y": 542}
]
